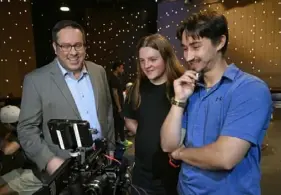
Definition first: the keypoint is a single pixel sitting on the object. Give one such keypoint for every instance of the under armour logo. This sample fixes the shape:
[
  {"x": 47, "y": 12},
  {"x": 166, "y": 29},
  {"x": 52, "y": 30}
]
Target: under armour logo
[{"x": 219, "y": 99}]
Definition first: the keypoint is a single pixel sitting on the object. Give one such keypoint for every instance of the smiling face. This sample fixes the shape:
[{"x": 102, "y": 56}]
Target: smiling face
[
  {"x": 70, "y": 49},
  {"x": 201, "y": 53},
  {"x": 152, "y": 65}
]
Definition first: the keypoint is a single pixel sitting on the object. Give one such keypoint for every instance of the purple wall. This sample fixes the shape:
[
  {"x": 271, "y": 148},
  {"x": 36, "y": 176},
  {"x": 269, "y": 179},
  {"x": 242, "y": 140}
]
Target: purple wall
[{"x": 170, "y": 14}]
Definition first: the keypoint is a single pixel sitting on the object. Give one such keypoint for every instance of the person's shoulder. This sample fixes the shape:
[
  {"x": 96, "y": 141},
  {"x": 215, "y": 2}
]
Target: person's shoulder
[
  {"x": 39, "y": 72},
  {"x": 252, "y": 87},
  {"x": 94, "y": 66},
  {"x": 251, "y": 82}
]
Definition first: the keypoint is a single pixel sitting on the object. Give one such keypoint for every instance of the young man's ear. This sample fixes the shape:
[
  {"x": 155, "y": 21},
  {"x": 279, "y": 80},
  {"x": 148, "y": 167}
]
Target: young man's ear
[{"x": 221, "y": 43}]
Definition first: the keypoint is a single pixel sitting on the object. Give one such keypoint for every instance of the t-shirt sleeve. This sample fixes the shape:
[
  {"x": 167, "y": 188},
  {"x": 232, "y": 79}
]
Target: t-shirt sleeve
[
  {"x": 129, "y": 111},
  {"x": 113, "y": 82},
  {"x": 249, "y": 112}
]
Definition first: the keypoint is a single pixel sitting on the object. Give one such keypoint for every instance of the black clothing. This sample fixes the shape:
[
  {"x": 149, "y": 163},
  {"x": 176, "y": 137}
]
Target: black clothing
[
  {"x": 117, "y": 83},
  {"x": 152, "y": 170},
  {"x": 119, "y": 124}
]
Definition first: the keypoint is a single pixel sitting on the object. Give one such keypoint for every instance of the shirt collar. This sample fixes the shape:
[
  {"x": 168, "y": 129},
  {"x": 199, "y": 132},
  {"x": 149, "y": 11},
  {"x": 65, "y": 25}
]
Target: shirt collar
[
  {"x": 66, "y": 72},
  {"x": 230, "y": 73}
]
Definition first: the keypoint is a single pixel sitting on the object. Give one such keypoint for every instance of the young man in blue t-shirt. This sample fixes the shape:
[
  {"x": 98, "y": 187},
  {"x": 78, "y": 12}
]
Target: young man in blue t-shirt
[{"x": 226, "y": 118}]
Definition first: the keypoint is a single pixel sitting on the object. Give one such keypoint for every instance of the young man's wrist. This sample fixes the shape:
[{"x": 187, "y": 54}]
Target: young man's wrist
[{"x": 178, "y": 103}]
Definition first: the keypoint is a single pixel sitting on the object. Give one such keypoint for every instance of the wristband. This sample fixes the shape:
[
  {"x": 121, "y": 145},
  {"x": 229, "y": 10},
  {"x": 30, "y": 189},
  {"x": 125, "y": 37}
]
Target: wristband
[{"x": 178, "y": 103}]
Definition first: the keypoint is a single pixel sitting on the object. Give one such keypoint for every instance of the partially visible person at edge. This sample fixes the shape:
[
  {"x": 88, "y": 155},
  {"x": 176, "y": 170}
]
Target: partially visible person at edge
[
  {"x": 226, "y": 118},
  {"x": 145, "y": 110},
  {"x": 17, "y": 176}
]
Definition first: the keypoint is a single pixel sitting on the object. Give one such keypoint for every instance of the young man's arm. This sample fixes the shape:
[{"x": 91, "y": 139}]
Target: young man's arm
[
  {"x": 223, "y": 154},
  {"x": 171, "y": 129},
  {"x": 248, "y": 114}
]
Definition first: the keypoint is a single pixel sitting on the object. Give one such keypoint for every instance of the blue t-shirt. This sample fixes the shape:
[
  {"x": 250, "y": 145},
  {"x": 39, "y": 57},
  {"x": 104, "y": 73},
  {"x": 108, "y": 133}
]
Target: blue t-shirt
[{"x": 238, "y": 106}]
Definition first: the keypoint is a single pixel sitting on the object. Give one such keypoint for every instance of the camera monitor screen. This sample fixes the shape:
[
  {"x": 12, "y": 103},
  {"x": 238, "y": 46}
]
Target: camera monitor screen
[{"x": 70, "y": 134}]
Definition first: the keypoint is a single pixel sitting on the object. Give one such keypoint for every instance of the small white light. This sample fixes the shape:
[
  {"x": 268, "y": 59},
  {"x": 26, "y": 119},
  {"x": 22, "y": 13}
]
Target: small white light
[{"x": 64, "y": 9}]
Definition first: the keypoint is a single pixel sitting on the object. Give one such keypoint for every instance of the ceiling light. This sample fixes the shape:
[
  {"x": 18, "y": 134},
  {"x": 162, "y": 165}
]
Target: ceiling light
[{"x": 64, "y": 9}]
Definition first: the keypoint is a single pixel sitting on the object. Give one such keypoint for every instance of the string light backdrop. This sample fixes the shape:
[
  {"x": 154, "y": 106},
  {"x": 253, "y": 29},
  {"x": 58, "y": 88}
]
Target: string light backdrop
[
  {"x": 115, "y": 35},
  {"x": 112, "y": 29},
  {"x": 254, "y": 28},
  {"x": 16, "y": 46}
]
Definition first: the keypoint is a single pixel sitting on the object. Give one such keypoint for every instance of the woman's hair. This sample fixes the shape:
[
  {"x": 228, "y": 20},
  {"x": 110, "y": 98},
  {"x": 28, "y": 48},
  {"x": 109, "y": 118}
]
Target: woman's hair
[{"x": 173, "y": 68}]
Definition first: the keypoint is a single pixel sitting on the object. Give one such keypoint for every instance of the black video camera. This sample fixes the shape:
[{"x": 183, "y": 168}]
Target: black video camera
[{"x": 90, "y": 170}]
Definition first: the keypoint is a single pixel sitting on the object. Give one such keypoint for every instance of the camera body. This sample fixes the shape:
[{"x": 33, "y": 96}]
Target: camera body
[
  {"x": 97, "y": 176},
  {"x": 90, "y": 171}
]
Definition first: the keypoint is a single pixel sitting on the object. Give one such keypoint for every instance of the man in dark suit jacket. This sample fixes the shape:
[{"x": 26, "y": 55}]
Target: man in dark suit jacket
[{"x": 67, "y": 88}]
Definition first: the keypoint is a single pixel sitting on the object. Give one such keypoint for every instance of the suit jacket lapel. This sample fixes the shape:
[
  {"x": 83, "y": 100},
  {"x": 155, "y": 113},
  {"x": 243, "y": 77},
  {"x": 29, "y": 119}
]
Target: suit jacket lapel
[
  {"x": 58, "y": 78},
  {"x": 94, "y": 81}
]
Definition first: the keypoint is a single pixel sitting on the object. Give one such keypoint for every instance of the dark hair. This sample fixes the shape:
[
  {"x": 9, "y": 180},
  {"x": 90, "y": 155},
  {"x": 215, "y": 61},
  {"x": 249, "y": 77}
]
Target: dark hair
[
  {"x": 173, "y": 67},
  {"x": 115, "y": 65},
  {"x": 209, "y": 24},
  {"x": 65, "y": 24}
]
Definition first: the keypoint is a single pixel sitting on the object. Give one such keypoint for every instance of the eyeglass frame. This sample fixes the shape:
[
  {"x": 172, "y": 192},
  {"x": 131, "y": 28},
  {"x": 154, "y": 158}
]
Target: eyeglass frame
[{"x": 70, "y": 47}]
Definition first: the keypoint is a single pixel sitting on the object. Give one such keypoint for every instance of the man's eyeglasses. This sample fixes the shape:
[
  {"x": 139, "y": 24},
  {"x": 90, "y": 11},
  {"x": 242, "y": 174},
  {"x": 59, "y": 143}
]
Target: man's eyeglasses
[{"x": 68, "y": 47}]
